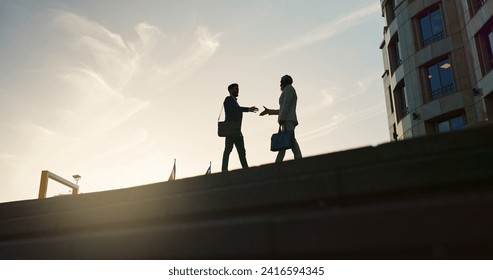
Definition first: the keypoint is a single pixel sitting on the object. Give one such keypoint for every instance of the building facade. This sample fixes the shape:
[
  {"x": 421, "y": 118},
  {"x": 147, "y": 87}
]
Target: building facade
[{"x": 438, "y": 57}]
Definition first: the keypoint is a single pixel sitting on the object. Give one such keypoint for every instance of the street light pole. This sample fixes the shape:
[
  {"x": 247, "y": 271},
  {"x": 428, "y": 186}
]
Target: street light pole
[{"x": 76, "y": 177}]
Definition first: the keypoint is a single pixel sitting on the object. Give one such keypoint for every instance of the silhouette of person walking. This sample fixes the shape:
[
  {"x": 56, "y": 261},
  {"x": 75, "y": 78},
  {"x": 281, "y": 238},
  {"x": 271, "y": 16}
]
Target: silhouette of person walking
[
  {"x": 287, "y": 114},
  {"x": 234, "y": 112}
]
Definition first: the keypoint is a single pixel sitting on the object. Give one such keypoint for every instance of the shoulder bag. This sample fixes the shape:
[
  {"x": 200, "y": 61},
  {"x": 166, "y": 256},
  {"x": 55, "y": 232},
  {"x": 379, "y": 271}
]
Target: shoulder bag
[{"x": 228, "y": 128}]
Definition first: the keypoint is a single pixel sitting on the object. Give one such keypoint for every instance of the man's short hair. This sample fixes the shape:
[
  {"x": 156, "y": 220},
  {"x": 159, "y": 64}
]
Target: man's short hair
[
  {"x": 231, "y": 86},
  {"x": 287, "y": 79}
]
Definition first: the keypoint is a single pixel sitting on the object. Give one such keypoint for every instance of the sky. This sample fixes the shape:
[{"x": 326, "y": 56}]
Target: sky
[{"x": 115, "y": 90}]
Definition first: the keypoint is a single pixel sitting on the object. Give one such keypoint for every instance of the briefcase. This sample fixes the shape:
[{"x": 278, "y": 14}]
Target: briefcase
[
  {"x": 228, "y": 129},
  {"x": 282, "y": 140}
]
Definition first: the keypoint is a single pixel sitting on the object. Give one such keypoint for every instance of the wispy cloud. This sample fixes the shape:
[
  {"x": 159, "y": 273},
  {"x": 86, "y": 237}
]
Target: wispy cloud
[
  {"x": 332, "y": 126},
  {"x": 196, "y": 56},
  {"x": 336, "y": 93},
  {"x": 97, "y": 48},
  {"x": 330, "y": 29},
  {"x": 347, "y": 109},
  {"x": 345, "y": 120},
  {"x": 110, "y": 78},
  {"x": 84, "y": 109}
]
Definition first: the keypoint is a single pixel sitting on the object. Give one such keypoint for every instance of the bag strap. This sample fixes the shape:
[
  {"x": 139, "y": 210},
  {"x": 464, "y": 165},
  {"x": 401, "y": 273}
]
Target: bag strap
[{"x": 220, "y": 113}]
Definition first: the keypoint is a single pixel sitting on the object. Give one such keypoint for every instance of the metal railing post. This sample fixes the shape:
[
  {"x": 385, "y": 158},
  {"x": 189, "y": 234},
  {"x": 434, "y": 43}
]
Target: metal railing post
[{"x": 43, "y": 185}]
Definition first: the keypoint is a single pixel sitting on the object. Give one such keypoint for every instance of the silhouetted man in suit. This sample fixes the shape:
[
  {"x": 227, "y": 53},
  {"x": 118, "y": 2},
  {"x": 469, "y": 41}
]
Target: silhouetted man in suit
[
  {"x": 287, "y": 118},
  {"x": 234, "y": 112}
]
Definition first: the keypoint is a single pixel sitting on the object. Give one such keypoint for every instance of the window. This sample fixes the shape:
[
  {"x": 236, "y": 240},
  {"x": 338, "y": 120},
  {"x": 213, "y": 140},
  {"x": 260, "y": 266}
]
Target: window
[
  {"x": 488, "y": 102},
  {"x": 452, "y": 124},
  {"x": 440, "y": 79},
  {"x": 475, "y": 5},
  {"x": 431, "y": 27},
  {"x": 401, "y": 104},
  {"x": 390, "y": 11},
  {"x": 395, "y": 54},
  {"x": 391, "y": 101},
  {"x": 484, "y": 42},
  {"x": 395, "y": 135}
]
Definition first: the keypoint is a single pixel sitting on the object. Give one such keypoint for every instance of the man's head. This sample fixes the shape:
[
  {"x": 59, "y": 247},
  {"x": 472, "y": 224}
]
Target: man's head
[
  {"x": 285, "y": 81},
  {"x": 234, "y": 90}
]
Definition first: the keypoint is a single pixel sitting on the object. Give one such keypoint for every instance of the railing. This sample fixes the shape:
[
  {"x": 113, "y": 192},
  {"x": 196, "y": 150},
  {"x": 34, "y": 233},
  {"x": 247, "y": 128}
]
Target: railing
[
  {"x": 444, "y": 90},
  {"x": 435, "y": 38},
  {"x": 43, "y": 185},
  {"x": 402, "y": 112}
]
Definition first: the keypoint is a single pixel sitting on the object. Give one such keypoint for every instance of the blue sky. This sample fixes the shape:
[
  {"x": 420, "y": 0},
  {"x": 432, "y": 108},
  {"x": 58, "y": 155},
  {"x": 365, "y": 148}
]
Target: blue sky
[{"x": 116, "y": 90}]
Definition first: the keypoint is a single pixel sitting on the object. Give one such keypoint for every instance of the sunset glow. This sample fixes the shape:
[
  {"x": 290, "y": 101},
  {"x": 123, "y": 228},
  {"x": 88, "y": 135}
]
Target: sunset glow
[{"x": 116, "y": 90}]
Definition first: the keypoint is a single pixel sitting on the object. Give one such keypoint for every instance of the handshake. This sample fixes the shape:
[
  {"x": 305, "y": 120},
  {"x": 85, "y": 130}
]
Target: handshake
[{"x": 266, "y": 111}]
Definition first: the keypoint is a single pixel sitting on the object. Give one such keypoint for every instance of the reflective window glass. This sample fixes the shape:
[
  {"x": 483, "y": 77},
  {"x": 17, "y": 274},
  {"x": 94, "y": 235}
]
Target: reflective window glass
[
  {"x": 434, "y": 77},
  {"x": 457, "y": 123},
  {"x": 445, "y": 73},
  {"x": 452, "y": 124},
  {"x": 443, "y": 127},
  {"x": 426, "y": 32},
  {"x": 490, "y": 45},
  {"x": 441, "y": 78},
  {"x": 436, "y": 22},
  {"x": 484, "y": 39},
  {"x": 431, "y": 27}
]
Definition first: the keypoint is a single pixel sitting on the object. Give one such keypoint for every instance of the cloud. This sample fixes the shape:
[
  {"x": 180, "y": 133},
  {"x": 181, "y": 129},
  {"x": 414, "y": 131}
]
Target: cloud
[
  {"x": 160, "y": 64},
  {"x": 97, "y": 48},
  {"x": 104, "y": 79},
  {"x": 152, "y": 62},
  {"x": 329, "y": 93},
  {"x": 330, "y": 29},
  {"x": 196, "y": 56},
  {"x": 347, "y": 109},
  {"x": 110, "y": 79},
  {"x": 336, "y": 93},
  {"x": 81, "y": 110},
  {"x": 328, "y": 98},
  {"x": 332, "y": 126}
]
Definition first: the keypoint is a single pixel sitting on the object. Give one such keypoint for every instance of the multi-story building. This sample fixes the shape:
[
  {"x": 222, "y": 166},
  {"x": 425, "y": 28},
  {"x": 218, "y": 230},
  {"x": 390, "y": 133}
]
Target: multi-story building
[{"x": 438, "y": 57}]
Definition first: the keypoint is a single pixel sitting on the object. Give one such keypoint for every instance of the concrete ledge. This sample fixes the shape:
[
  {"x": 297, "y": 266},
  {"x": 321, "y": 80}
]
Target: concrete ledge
[{"x": 422, "y": 198}]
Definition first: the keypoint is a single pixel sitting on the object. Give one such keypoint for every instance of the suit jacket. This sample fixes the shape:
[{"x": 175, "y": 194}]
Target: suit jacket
[
  {"x": 233, "y": 110},
  {"x": 287, "y": 105}
]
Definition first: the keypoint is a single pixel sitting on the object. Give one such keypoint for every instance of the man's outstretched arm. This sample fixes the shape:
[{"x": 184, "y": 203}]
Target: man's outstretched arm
[{"x": 267, "y": 111}]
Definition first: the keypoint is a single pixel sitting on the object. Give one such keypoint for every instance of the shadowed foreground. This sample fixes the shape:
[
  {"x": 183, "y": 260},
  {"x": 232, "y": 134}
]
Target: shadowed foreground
[{"x": 426, "y": 198}]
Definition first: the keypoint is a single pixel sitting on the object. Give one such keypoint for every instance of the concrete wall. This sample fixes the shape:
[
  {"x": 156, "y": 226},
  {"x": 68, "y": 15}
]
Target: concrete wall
[{"x": 422, "y": 198}]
